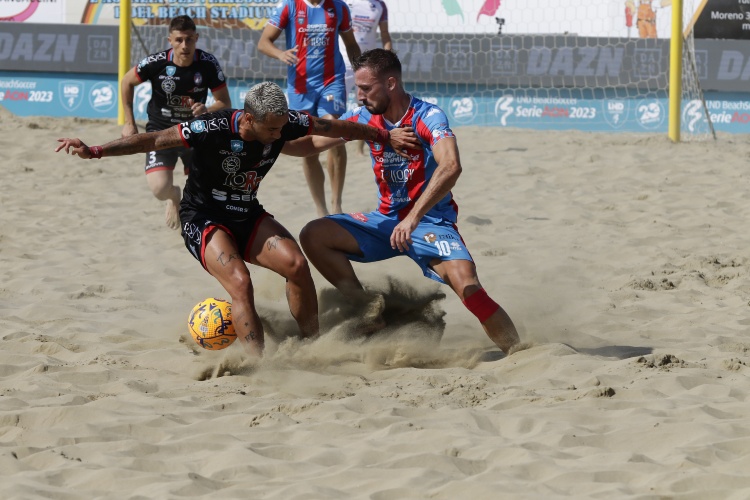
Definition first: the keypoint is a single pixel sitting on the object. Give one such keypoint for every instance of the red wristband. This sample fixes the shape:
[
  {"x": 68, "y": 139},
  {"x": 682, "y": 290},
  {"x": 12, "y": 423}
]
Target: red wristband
[
  {"x": 384, "y": 136},
  {"x": 96, "y": 152}
]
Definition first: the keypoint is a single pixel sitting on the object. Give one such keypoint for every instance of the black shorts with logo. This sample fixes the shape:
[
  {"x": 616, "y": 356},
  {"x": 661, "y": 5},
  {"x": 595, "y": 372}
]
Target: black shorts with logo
[
  {"x": 166, "y": 159},
  {"x": 197, "y": 225}
]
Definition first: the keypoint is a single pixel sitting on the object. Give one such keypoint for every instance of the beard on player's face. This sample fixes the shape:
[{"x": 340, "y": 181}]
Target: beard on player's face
[{"x": 379, "y": 107}]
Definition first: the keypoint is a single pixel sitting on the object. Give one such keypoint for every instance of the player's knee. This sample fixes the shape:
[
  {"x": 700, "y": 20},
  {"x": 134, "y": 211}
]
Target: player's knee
[
  {"x": 298, "y": 270},
  {"x": 240, "y": 287},
  {"x": 161, "y": 188},
  {"x": 481, "y": 305},
  {"x": 310, "y": 236}
]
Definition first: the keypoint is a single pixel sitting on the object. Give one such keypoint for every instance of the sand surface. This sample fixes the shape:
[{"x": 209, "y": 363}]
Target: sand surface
[{"x": 623, "y": 259}]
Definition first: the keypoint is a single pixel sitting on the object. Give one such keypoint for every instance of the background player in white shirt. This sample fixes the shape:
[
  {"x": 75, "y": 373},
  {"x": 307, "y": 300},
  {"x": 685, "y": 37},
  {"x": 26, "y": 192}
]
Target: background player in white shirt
[{"x": 367, "y": 17}]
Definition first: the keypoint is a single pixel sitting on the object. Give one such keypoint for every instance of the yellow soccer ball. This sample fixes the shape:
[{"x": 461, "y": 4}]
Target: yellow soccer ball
[{"x": 210, "y": 324}]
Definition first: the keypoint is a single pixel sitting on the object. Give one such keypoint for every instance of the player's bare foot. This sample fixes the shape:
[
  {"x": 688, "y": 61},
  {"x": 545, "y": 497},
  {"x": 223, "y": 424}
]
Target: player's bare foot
[{"x": 172, "y": 214}]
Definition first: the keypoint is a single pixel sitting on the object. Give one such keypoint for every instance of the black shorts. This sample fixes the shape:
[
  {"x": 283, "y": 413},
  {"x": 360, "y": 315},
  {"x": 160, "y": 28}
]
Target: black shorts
[
  {"x": 196, "y": 226},
  {"x": 166, "y": 159}
]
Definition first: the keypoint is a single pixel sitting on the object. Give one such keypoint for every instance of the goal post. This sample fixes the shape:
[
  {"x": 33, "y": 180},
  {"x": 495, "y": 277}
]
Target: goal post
[
  {"x": 675, "y": 75},
  {"x": 123, "y": 56}
]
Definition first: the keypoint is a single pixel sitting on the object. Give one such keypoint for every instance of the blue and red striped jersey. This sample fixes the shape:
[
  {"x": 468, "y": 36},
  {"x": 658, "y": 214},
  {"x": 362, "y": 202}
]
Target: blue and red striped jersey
[
  {"x": 314, "y": 30},
  {"x": 400, "y": 181}
]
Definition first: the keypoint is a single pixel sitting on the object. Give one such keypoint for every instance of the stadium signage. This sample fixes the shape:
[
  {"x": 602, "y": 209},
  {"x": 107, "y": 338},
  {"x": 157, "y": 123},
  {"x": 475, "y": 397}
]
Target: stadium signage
[
  {"x": 58, "y": 47},
  {"x": 508, "y": 61}
]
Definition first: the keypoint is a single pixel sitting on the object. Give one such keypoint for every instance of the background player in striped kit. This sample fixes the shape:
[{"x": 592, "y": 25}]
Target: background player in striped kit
[
  {"x": 180, "y": 78},
  {"x": 315, "y": 78},
  {"x": 368, "y": 16}
]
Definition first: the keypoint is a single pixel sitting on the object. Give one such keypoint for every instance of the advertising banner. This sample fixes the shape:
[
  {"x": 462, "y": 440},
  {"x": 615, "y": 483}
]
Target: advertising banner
[{"x": 600, "y": 18}]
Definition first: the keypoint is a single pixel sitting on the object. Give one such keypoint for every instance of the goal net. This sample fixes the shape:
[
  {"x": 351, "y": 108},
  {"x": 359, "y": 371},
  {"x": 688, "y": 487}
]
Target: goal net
[{"x": 555, "y": 64}]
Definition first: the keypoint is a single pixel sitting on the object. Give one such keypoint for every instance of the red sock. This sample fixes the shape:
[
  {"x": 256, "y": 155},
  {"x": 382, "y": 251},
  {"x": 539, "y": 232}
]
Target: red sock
[{"x": 481, "y": 305}]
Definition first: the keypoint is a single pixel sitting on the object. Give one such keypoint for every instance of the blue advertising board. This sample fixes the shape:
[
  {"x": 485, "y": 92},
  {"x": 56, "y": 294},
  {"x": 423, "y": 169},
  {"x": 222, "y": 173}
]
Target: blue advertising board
[{"x": 95, "y": 96}]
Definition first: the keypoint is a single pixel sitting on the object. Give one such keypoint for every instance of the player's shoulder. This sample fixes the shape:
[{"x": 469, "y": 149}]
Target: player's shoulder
[
  {"x": 342, "y": 4},
  {"x": 299, "y": 118},
  {"x": 202, "y": 55},
  {"x": 426, "y": 109},
  {"x": 358, "y": 113},
  {"x": 161, "y": 57}
]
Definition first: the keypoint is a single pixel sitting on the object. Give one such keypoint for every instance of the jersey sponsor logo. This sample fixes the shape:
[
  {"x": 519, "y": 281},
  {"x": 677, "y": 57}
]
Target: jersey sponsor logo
[
  {"x": 359, "y": 216},
  {"x": 299, "y": 118},
  {"x": 168, "y": 86},
  {"x": 247, "y": 182},
  {"x": 161, "y": 56},
  {"x": 231, "y": 165},
  {"x": 398, "y": 176},
  {"x": 198, "y": 79},
  {"x": 198, "y": 126},
  {"x": 218, "y": 124},
  {"x": 237, "y": 146},
  {"x": 184, "y": 128},
  {"x": 390, "y": 159},
  {"x": 192, "y": 232},
  {"x": 438, "y": 134},
  {"x": 266, "y": 150},
  {"x": 431, "y": 112}
]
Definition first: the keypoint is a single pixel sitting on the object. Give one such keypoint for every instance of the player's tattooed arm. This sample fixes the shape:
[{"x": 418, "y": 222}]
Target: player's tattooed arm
[
  {"x": 139, "y": 143},
  {"x": 400, "y": 139}
]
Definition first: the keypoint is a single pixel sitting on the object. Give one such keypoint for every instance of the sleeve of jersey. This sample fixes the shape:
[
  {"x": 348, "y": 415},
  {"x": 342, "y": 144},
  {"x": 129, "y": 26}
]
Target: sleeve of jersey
[
  {"x": 142, "y": 71},
  {"x": 384, "y": 13},
  {"x": 218, "y": 79},
  {"x": 433, "y": 126},
  {"x": 280, "y": 17},
  {"x": 193, "y": 132},
  {"x": 346, "y": 19},
  {"x": 299, "y": 125}
]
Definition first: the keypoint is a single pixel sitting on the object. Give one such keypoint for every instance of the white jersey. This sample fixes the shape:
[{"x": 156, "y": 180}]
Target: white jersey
[{"x": 366, "y": 17}]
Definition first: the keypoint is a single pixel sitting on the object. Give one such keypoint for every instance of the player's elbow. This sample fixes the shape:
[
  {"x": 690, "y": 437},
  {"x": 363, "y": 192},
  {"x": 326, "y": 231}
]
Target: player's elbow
[{"x": 452, "y": 169}]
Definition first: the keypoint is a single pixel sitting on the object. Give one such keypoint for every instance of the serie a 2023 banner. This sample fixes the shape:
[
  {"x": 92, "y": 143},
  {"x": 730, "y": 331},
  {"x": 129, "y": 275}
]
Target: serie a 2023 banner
[{"x": 721, "y": 19}]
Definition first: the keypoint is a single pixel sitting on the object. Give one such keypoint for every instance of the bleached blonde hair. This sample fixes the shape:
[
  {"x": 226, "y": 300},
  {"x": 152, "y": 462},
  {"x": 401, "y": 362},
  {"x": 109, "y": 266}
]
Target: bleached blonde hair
[{"x": 265, "y": 98}]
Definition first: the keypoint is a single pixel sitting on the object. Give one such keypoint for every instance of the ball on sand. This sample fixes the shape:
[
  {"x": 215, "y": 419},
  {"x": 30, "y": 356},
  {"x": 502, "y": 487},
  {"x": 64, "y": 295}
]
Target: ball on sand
[{"x": 210, "y": 324}]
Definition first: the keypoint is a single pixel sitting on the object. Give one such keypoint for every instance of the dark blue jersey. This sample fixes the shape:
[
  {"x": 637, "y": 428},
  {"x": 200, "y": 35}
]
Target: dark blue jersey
[{"x": 227, "y": 170}]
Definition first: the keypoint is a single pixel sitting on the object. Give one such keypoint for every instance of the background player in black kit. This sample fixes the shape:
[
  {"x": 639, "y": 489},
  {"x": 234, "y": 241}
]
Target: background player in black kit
[
  {"x": 180, "y": 78},
  {"x": 223, "y": 223}
]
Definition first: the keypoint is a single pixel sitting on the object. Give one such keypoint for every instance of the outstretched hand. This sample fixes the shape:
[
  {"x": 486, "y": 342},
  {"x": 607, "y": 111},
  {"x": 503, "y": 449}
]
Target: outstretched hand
[
  {"x": 402, "y": 139},
  {"x": 78, "y": 148}
]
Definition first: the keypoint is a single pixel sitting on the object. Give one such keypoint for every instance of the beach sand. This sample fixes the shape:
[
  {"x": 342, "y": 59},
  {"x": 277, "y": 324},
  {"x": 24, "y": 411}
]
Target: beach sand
[{"x": 623, "y": 260}]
